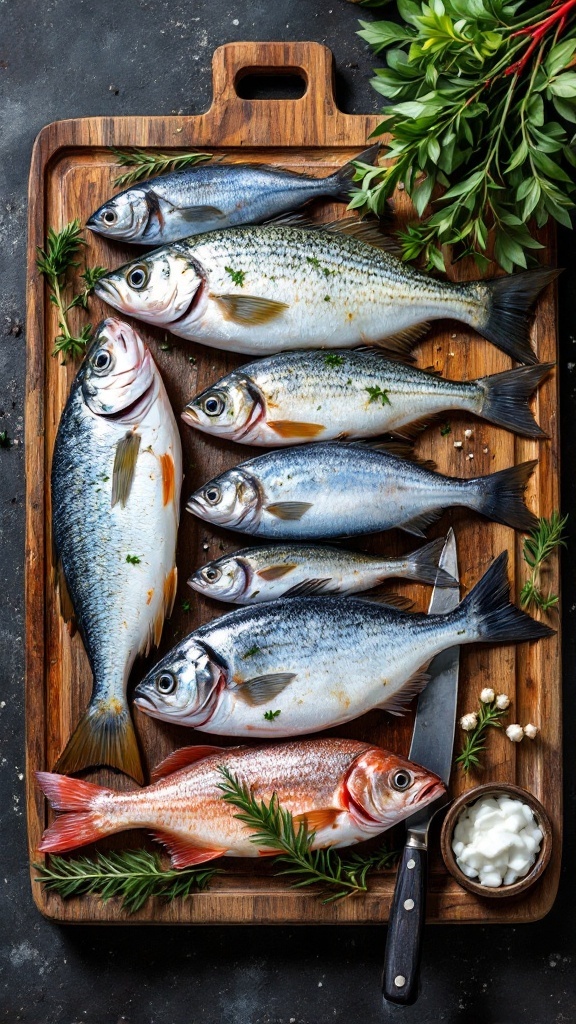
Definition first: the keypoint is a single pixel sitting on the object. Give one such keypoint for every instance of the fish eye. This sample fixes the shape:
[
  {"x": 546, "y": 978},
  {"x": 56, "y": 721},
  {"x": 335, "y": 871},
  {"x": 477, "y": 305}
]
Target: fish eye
[
  {"x": 102, "y": 361},
  {"x": 402, "y": 780},
  {"x": 214, "y": 405},
  {"x": 138, "y": 276},
  {"x": 166, "y": 683},
  {"x": 211, "y": 574},
  {"x": 109, "y": 216},
  {"x": 213, "y": 494}
]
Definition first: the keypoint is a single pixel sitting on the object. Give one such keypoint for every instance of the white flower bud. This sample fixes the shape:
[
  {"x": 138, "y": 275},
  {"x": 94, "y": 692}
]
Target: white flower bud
[
  {"x": 531, "y": 731},
  {"x": 515, "y": 733},
  {"x": 469, "y": 721},
  {"x": 502, "y": 701},
  {"x": 487, "y": 695}
]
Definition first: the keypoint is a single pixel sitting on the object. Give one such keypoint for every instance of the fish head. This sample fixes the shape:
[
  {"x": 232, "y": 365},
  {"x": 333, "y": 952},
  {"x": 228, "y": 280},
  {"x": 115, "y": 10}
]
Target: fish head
[
  {"x": 226, "y": 579},
  {"x": 184, "y": 688},
  {"x": 164, "y": 287},
  {"x": 119, "y": 376},
  {"x": 124, "y": 216},
  {"x": 228, "y": 409},
  {"x": 233, "y": 499},
  {"x": 383, "y": 788}
]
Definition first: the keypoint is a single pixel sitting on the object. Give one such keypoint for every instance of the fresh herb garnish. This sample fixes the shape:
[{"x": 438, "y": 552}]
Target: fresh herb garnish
[
  {"x": 332, "y": 359},
  {"x": 236, "y": 275},
  {"x": 314, "y": 261},
  {"x": 186, "y": 606},
  {"x": 133, "y": 559},
  {"x": 326, "y": 298},
  {"x": 274, "y": 828},
  {"x": 146, "y": 164},
  {"x": 489, "y": 715},
  {"x": 376, "y": 393},
  {"x": 545, "y": 538},
  {"x": 5, "y": 441},
  {"x": 55, "y": 262},
  {"x": 271, "y": 715},
  {"x": 481, "y": 113},
  {"x": 445, "y": 429},
  {"x": 132, "y": 875},
  {"x": 251, "y": 652}
]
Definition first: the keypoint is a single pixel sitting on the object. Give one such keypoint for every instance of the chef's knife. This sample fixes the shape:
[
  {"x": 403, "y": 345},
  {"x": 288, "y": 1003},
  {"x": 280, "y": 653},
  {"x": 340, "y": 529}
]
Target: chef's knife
[{"x": 432, "y": 747}]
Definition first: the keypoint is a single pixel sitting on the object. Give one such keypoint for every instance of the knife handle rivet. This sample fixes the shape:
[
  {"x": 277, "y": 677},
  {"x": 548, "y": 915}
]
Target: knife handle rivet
[
  {"x": 399, "y": 981},
  {"x": 411, "y": 865},
  {"x": 408, "y": 904}
]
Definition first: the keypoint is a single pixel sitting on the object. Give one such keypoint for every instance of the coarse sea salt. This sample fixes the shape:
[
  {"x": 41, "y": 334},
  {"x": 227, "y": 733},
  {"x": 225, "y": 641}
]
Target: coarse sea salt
[{"x": 496, "y": 840}]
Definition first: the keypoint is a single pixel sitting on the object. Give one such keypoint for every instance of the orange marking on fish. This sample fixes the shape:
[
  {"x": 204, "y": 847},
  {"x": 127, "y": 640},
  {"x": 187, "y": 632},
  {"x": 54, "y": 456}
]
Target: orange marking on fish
[
  {"x": 170, "y": 584},
  {"x": 150, "y": 595},
  {"x": 158, "y": 624},
  {"x": 289, "y": 428},
  {"x": 168, "y": 477}
]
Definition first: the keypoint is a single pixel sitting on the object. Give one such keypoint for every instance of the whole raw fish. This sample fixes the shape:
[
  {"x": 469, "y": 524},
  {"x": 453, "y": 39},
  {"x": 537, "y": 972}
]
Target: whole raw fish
[
  {"x": 116, "y": 477},
  {"x": 264, "y": 289},
  {"x": 345, "y": 790},
  {"x": 303, "y": 664},
  {"x": 255, "y": 575},
  {"x": 296, "y": 397},
  {"x": 215, "y": 195},
  {"x": 338, "y": 489}
]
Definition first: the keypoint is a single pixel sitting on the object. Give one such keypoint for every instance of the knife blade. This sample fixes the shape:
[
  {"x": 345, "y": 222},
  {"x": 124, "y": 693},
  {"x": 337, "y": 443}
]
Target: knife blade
[{"x": 432, "y": 747}]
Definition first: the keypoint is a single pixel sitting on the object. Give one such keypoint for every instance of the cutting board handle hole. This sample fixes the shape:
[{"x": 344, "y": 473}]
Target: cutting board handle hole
[{"x": 273, "y": 83}]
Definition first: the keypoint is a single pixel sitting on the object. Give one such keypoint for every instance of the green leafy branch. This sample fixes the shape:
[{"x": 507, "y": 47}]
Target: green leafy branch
[
  {"x": 481, "y": 107},
  {"x": 132, "y": 875},
  {"x": 273, "y": 827},
  {"x": 545, "y": 538},
  {"x": 488, "y": 716},
  {"x": 55, "y": 263},
  {"x": 147, "y": 164}
]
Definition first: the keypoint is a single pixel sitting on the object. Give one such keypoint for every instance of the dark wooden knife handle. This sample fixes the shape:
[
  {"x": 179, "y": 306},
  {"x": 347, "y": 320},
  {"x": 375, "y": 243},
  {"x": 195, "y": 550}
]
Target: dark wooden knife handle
[{"x": 404, "y": 939}]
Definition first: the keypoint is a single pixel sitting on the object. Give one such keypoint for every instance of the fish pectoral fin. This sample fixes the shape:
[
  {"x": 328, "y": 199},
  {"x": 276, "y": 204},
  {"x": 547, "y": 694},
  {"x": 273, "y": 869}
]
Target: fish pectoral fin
[
  {"x": 249, "y": 310},
  {"x": 124, "y": 467},
  {"x": 401, "y": 344},
  {"x": 261, "y": 689},
  {"x": 275, "y": 572},
  {"x": 292, "y": 428},
  {"x": 307, "y": 587},
  {"x": 324, "y": 817},
  {"x": 391, "y": 600},
  {"x": 66, "y": 606},
  {"x": 182, "y": 758},
  {"x": 397, "y": 704},
  {"x": 200, "y": 213},
  {"x": 183, "y": 852},
  {"x": 420, "y": 523},
  {"x": 288, "y": 509}
]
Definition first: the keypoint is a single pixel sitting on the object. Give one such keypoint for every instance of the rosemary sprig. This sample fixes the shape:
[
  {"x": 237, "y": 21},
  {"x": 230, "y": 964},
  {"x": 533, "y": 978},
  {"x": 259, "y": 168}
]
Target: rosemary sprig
[
  {"x": 147, "y": 164},
  {"x": 273, "y": 827},
  {"x": 55, "y": 263},
  {"x": 542, "y": 542},
  {"x": 132, "y": 875},
  {"x": 489, "y": 715}
]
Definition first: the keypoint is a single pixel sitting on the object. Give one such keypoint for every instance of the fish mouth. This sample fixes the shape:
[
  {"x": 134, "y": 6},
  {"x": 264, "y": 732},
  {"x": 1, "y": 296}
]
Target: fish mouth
[
  {"x": 197, "y": 583},
  {"x": 108, "y": 291},
  {"x": 193, "y": 505},
  {"x": 142, "y": 702},
  {"x": 432, "y": 791},
  {"x": 190, "y": 416}
]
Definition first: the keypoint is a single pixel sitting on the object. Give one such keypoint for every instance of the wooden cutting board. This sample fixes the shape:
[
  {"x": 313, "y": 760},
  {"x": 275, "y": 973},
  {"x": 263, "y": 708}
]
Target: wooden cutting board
[{"x": 72, "y": 168}]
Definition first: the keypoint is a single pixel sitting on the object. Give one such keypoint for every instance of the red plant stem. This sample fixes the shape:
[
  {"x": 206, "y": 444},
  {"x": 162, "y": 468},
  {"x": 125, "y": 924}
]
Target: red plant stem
[{"x": 537, "y": 32}]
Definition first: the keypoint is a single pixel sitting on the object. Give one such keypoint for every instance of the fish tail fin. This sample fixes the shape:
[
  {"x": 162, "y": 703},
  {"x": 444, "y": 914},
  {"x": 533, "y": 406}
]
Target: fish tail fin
[
  {"x": 500, "y": 496},
  {"x": 104, "y": 736},
  {"x": 342, "y": 182},
  {"x": 82, "y": 824},
  {"x": 489, "y": 614},
  {"x": 508, "y": 318},
  {"x": 422, "y": 565},
  {"x": 506, "y": 397}
]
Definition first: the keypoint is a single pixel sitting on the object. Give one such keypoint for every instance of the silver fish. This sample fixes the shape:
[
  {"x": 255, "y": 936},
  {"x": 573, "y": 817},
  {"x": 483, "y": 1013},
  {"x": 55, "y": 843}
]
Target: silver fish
[
  {"x": 207, "y": 197},
  {"x": 255, "y": 575},
  {"x": 308, "y": 663},
  {"x": 116, "y": 476},
  {"x": 266, "y": 289},
  {"x": 297, "y": 397},
  {"x": 338, "y": 489}
]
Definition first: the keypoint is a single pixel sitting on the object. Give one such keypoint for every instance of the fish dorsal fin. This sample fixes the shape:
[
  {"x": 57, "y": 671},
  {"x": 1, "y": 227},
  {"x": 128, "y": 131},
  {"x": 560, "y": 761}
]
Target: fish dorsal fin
[
  {"x": 124, "y": 467},
  {"x": 261, "y": 689},
  {"x": 418, "y": 524},
  {"x": 66, "y": 606},
  {"x": 182, "y": 850},
  {"x": 275, "y": 572},
  {"x": 397, "y": 704},
  {"x": 307, "y": 587},
  {"x": 249, "y": 310},
  {"x": 324, "y": 817},
  {"x": 368, "y": 231},
  {"x": 289, "y": 510},
  {"x": 401, "y": 447},
  {"x": 182, "y": 758},
  {"x": 400, "y": 345},
  {"x": 293, "y": 428}
]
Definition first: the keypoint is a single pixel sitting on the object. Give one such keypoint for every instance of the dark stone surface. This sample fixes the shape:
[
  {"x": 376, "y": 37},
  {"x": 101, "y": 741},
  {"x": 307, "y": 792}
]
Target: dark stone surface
[{"x": 68, "y": 58}]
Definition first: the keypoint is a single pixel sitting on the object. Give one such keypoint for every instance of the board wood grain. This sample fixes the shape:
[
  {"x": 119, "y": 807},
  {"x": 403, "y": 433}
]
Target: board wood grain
[{"x": 71, "y": 172}]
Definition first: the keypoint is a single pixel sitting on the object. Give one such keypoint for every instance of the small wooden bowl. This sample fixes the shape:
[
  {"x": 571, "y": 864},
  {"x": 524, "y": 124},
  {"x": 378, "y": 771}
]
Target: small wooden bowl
[{"x": 470, "y": 797}]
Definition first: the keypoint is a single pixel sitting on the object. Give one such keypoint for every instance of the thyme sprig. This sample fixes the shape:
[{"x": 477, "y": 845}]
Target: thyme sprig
[
  {"x": 148, "y": 163},
  {"x": 489, "y": 715},
  {"x": 132, "y": 875},
  {"x": 274, "y": 827},
  {"x": 545, "y": 538},
  {"x": 55, "y": 263},
  {"x": 481, "y": 104}
]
